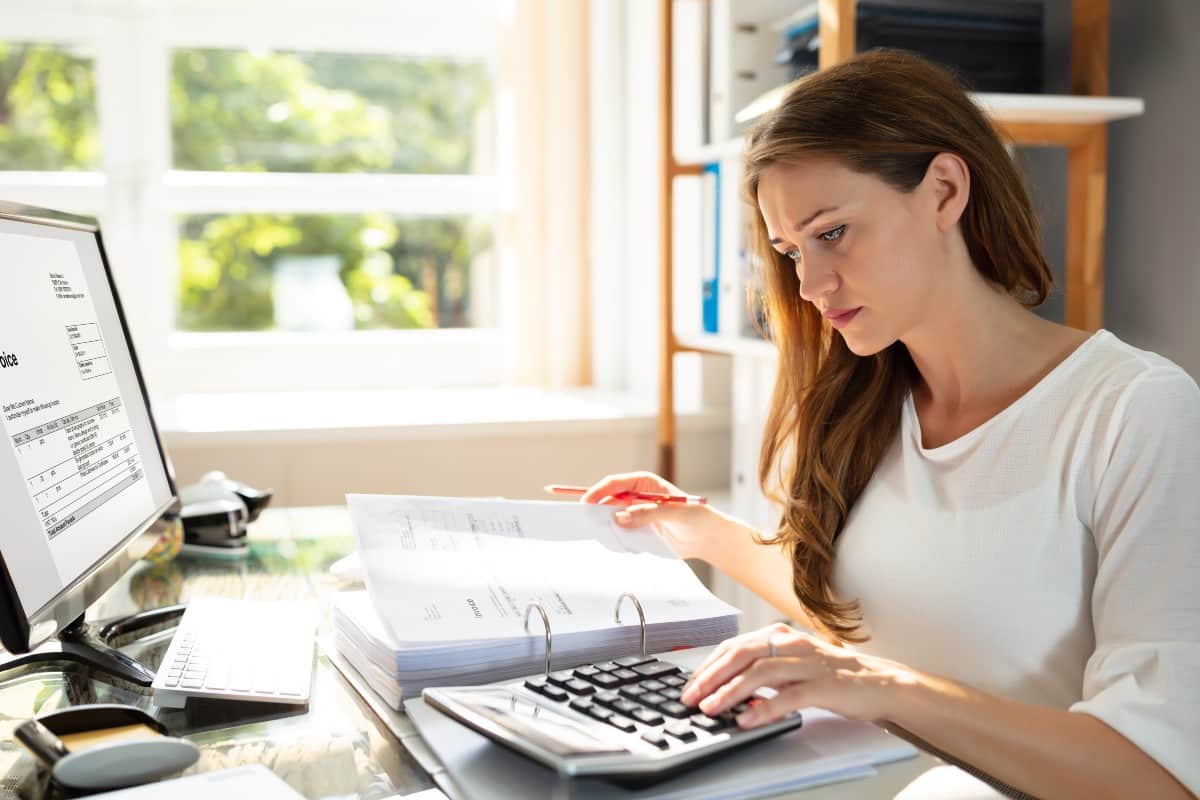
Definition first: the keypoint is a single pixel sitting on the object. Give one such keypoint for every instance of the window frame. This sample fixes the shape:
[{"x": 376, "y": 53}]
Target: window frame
[{"x": 137, "y": 194}]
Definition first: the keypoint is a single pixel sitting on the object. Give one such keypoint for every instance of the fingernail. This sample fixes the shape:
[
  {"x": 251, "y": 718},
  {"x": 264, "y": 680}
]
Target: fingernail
[
  {"x": 748, "y": 718},
  {"x": 622, "y": 517},
  {"x": 688, "y": 696},
  {"x": 709, "y": 705}
]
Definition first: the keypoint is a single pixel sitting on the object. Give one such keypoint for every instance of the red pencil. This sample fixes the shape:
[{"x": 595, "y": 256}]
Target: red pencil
[{"x": 651, "y": 497}]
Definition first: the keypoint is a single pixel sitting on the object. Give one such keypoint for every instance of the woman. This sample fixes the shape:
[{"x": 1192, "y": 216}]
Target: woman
[{"x": 991, "y": 521}]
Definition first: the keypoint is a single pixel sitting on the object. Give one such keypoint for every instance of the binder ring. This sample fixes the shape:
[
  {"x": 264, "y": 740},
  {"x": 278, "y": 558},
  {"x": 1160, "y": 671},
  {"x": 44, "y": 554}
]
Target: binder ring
[
  {"x": 545, "y": 623},
  {"x": 641, "y": 614}
]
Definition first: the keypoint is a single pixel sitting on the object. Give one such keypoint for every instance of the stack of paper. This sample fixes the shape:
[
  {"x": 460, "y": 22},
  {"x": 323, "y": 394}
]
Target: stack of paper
[{"x": 449, "y": 581}]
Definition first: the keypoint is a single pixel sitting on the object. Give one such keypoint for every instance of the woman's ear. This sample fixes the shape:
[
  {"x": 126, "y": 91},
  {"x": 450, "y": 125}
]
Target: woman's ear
[{"x": 950, "y": 182}]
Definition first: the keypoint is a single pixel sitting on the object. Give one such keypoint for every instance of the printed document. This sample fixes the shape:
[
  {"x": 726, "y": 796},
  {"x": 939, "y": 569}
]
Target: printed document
[{"x": 442, "y": 569}]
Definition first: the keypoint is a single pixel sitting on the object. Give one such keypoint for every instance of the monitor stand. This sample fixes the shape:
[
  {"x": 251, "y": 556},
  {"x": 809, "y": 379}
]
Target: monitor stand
[{"x": 93, "y": 645}]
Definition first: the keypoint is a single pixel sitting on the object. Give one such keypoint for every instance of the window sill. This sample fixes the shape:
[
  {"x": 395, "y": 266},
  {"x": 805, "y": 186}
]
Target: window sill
[{"x": 403, "y": 414}]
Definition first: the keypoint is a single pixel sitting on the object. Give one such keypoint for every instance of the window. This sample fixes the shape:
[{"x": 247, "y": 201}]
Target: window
[{"x": 294, "y": 195}]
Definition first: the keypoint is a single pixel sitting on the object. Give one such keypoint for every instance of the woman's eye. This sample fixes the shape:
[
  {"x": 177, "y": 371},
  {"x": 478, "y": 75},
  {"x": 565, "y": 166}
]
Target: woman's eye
[{"x": 833, "y": 234}]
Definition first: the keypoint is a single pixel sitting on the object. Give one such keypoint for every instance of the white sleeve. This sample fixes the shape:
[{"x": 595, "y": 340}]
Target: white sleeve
[{"x": 1143, "y": 679}]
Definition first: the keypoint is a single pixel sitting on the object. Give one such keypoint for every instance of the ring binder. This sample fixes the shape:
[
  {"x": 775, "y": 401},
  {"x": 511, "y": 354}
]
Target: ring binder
[
  {"x": 641, "y": 614},
  {"x": 546, "y": 623}
]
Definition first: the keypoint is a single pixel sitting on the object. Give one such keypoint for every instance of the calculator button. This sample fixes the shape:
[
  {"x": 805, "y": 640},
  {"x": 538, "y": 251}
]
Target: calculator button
[
  {"x": 655, "y": 669},
  {"x": 587, "y": 673},
  {"x": 671, "y": 694},
  {"x": 554, "y": 693},
  {"x": 705, "y": 723},
  {"x": 655, "y": 738},
  {"x": 647, "y": 717},
  {"x": 653, "y": 685},
  {"x": 581, "y": 704},
  {"x": 576, "y": 686},
  {"x": 622, "y": 723},
  {"x": 624, "y": 706},
  {"x": 607, "y": 666},
  {"x": 606, "y": 698},
  {"x": 605, "y": 680},
  {"x": 632, "y": 692},
  {"x": 675, "y": 709},
  {"x": 536, "y": 684},
  {"x": 681, "y": 731},
  {"x": 625, "y": 675},
  {"x": 652, "y": 699},
  {"x": 560, "y": 678},
  {"x": 599, "y": 712},
  {"x": 632, "y": 661},
  {"x": 674, "y": 680}
]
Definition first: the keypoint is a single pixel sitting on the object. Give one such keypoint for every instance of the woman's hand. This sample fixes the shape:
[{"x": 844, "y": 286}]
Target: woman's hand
[
  {"x": 805, "y": 671},
  {"x": 692, "y": 531}
]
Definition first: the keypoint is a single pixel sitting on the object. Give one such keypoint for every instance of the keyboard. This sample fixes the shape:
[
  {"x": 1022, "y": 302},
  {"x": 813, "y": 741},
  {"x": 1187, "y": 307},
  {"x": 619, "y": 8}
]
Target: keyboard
[
  {"x": 238, "y": 650},
  {"x": 620, "y": 720}
]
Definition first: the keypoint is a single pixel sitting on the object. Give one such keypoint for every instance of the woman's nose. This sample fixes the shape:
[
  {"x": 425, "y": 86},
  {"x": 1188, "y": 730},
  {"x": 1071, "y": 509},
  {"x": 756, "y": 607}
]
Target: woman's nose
[{"x": 815, "y": 281}]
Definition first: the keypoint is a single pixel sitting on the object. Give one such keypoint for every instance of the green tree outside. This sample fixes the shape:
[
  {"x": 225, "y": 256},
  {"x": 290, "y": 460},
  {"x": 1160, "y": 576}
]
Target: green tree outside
[{"x": 293, "y": 112}]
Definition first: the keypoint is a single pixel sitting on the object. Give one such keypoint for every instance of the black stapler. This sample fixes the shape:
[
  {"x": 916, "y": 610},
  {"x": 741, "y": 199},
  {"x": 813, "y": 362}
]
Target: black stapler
[{"x": 216, "y": 512}]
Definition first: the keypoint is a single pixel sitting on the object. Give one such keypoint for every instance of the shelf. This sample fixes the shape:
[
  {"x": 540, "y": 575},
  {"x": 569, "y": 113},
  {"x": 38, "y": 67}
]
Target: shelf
[
  {"x": 727, "y": 345},
  {"x": 1070, "y": 109},
  {"x": 710, "y": 153},
  {"x": 1058, "y": 109}
]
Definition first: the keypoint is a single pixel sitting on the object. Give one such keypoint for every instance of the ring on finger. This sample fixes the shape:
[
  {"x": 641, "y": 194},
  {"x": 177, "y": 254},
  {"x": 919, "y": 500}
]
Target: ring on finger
[{"x": 771, "y": 651}]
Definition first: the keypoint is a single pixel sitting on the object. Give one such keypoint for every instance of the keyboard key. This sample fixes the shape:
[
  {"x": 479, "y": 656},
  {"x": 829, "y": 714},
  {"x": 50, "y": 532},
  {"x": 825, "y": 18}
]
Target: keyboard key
[
  {"x": 681, "y": 731},
  {"x": 581, "y": 704},
  {"x": 536, "y": 683},
  {"x": 671, "y": 694},
  {"x": 655, "y": 738},
  {"x": 577, "y": 686},
  {"x": 675, "y": 709},
  {"x": 653, "y": 685},
  {"x": 607, "y": 666},
  {"x": 705, "y": 723},
  {"x": 172, "y": 680},
  {"x": 652, "y": 699},
  {"x": 587, "y": 673},
  {"x": 674, "y": 681},
  {"x": 655, "y": 669},
  {"x": 192, "y": 683},
  {"x": 622, "y": 723},
  {"x": 632, "y": 661},
  {"x": 217, "y": 679},
  {"x": 554, "y": 693},
  {"x": 647, "y": 717},
  {"x": 606, "y": 697}
]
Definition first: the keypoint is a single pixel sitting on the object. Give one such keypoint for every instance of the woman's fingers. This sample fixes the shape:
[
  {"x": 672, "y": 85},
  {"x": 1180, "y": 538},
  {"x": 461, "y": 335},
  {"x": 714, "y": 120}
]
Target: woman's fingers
[
  {"x": 768, "y": 710},
  {"x": 776, "y": 673},
  {"x": 738, "y": 654},
  {"x": 608, "y": 488}
]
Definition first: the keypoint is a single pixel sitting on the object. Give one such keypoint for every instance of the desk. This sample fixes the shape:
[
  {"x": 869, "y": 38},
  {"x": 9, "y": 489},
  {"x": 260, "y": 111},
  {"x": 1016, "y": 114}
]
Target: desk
[{"x": 337, "y": 747}]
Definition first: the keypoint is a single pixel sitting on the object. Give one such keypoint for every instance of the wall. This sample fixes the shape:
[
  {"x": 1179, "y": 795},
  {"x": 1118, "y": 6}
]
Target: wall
[
  {"x": 1152, "y": 246},
  {"x": 1152, "y": 241}
]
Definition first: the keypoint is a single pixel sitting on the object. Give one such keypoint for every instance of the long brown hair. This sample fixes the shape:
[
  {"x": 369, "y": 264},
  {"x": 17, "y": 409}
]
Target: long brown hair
[{"x": 833, "y": 414}]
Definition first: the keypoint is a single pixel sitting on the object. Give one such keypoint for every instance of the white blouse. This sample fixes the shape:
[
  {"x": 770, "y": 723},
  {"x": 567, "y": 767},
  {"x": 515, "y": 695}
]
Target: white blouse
[{"x": 1051, "y": 555}]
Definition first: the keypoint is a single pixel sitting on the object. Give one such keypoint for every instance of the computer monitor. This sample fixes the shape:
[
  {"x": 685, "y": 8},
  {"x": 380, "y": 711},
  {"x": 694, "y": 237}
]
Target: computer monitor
[{"x": 84, "y": 480}]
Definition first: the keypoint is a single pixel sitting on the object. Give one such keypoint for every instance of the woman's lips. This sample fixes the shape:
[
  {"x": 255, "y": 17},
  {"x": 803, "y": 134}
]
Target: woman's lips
[{"x": 840, "y": 318}]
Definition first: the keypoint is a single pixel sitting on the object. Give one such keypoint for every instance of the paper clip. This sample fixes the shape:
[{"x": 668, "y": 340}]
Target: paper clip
[
  {"x": 641, "y": 614},
  {"x": 545, "y": 622}
]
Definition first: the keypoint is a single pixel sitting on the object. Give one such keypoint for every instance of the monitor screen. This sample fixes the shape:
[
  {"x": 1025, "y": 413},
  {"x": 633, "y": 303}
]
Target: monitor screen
[{"x": 81, "y": 468}]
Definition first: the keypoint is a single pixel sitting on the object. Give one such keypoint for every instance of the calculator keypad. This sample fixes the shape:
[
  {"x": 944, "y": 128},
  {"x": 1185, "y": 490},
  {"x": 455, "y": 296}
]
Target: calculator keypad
[{"x": 635, "y": 694}]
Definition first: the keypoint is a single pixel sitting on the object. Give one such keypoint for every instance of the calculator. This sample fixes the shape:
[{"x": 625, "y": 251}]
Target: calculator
[{"x": 619, "y": 720}]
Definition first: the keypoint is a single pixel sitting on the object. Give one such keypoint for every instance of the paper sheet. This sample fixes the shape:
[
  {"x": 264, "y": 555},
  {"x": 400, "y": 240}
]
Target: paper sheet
[{"x": 454, "y": 569}]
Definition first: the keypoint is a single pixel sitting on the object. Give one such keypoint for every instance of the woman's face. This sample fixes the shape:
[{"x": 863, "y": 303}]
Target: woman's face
[{"x": 866, "y": 255}]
